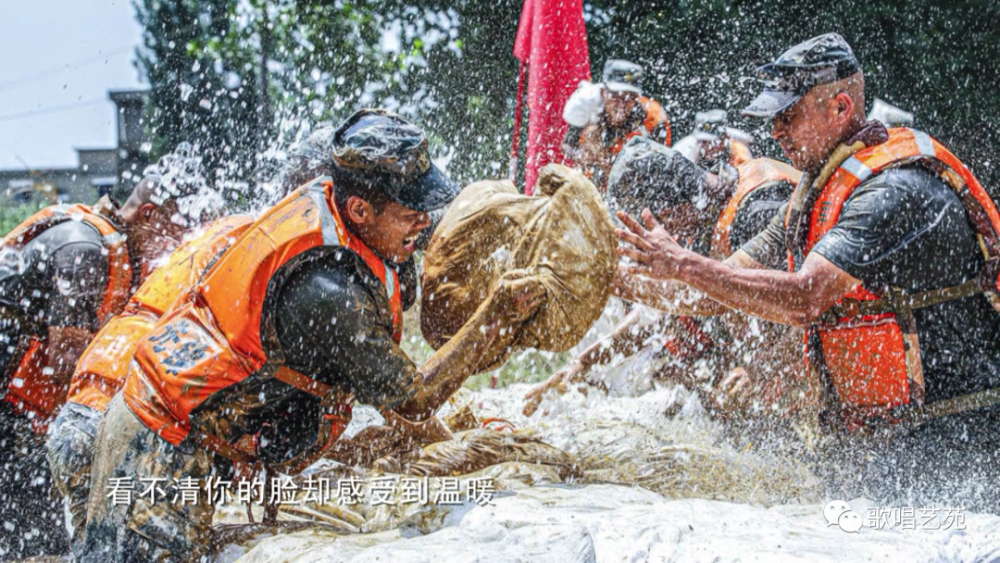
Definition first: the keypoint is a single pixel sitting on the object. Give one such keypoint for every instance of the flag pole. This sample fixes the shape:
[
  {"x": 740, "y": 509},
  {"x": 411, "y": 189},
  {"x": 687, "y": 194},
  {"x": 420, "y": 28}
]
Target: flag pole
[{"x": 518, "y": 116}]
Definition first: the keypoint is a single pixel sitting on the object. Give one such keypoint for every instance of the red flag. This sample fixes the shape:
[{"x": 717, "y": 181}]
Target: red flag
[{"x": 552, "y": 41}]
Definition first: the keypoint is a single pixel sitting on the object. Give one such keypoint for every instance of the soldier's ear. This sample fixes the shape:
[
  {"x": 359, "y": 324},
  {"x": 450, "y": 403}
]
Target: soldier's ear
[
  {"x": 146, "y": 211},
  {"x": 845, "y": 105},
  {"x": 358, "y": 211}
]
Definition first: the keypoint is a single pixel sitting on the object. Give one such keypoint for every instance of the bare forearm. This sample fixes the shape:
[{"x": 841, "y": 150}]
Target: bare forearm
[
  {"x": 781, "y": 297},
  {"x": 740, "y": 282},
  {"x": 449, "y": 367},
  {"x": 670, "y": 296},
  {"x": 626, "y": 340}
]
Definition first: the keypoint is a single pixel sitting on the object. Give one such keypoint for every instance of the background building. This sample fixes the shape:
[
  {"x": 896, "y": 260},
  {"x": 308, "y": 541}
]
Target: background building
[{"x": 97, "y": 169}]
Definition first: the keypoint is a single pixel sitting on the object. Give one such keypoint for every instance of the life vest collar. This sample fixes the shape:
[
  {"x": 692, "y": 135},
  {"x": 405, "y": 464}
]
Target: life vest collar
[{"x": 754, "y": 174}]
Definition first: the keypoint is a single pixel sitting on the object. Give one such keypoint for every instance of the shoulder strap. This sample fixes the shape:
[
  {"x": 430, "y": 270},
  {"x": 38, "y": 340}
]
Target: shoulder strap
[
  {"x": 753, "y": 175},
  {"x": 120, "y": 274}
]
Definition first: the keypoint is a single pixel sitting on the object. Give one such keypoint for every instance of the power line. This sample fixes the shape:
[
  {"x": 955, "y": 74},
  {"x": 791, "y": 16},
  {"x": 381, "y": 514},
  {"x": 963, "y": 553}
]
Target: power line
[
  {"x": 30, "y": 78},
  {"x": 53, "y": 109}
]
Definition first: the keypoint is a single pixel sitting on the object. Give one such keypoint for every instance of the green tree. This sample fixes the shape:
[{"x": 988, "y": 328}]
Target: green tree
[
  {"x": 244, "y": 76},
  {"x": 196, "y": 96}
]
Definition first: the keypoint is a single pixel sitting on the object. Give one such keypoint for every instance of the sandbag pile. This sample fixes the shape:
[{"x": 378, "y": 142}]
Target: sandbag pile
[{"x": 563, "y": 235}]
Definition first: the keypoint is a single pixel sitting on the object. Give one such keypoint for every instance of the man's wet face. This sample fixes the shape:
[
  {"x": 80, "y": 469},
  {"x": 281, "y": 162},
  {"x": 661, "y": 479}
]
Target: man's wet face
[
  {"x": 807, "y": 132},
  {"x": 712, "y": 151},
  {"x": 393, "y": 232},
  {"x": 618, "y": 107}
]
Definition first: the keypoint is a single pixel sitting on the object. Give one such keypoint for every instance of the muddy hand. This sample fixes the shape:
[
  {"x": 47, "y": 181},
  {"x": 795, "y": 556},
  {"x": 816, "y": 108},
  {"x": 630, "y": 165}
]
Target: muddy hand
[
  {"x": 558, "y": 381},
  {"x": 650, "y": 245},
  {"x": 518, "y": 296}
]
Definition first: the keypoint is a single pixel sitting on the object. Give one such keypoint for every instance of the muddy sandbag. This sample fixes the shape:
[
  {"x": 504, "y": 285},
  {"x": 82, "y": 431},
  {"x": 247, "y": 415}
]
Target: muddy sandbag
[
  {"x": 563, "y": 235},
  {"x": 476, "y": 449},
  {"x": 378, "y": 441}
]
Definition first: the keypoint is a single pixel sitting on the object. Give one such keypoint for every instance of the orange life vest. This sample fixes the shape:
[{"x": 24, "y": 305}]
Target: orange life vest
[
  {"x": 31, "y": 389},
  {"x": 655, "y": 115},
  {"x": 212, "y": 339},
  {"x": 740, "y": 153},
  {"x": 102, "y": 368},
  {"x": 753, "y": 175},
  {"x": 866, "y": 344}
]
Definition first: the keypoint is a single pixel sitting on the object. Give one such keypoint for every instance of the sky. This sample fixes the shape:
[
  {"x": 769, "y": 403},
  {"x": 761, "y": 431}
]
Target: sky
[{"x": 59, "y": 60}]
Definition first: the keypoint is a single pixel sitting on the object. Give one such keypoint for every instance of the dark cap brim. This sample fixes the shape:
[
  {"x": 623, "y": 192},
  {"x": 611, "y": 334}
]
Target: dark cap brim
[
  {"x": 771, "y": 102},
  {"x": 431, "y": 191}
]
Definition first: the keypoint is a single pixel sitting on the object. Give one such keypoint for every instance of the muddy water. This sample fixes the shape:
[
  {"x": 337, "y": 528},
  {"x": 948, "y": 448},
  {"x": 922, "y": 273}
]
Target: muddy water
[
  {"x": 656, "y": 479},
  {"x": 652, "y": 488}
]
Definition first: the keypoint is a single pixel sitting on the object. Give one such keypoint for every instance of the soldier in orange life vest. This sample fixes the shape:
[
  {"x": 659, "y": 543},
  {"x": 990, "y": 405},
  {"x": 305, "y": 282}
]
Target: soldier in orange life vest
[
  {"x": 713, "y": 144},
  {"x": 102, "y": 368},
  {"x": 883, "y": 255},
  {"x": 711, "y": 219},
  {"x": 262, "y": 358},
  {"x": 64, "y": 272},
  {"x": 624, "y": 113}
]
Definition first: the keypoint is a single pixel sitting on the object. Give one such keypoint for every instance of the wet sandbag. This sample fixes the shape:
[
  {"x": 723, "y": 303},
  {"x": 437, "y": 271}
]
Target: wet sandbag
[
  {"x": 476, "y": 449},
  {"x": 563, "y": 235}
]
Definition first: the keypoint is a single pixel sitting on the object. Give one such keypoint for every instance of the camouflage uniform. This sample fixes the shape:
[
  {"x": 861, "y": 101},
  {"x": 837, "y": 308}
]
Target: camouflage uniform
[
  {"x": 32, "y": 519},
  {"x": 70, "y": 451},
  {"x": 144, "y": 529}
]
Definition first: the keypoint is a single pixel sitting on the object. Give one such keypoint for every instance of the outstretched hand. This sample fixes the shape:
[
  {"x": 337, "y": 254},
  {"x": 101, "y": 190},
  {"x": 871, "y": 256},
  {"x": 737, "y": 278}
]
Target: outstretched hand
[
  {"x": 654, "y": 250},
  {"x": 557, "y": 383}
]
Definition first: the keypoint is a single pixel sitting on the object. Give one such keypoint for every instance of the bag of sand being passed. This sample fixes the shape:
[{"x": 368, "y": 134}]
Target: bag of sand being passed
[{"x": 563, "y": 235}]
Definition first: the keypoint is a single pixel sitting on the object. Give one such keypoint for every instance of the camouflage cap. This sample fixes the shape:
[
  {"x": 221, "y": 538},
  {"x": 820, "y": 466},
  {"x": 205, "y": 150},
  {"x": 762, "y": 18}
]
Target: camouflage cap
[
  {"x": 710, "y": 125},
  {"x": 383, "y": 148},
  {"x": 622, "y": 76},
  {"x": 820, "y": 60}
]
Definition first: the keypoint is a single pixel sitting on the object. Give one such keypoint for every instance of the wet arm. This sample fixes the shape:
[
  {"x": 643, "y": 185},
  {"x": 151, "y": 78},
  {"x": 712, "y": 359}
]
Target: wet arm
[
  {"x": 673, "y": 296},
  {"x": 449, "y": 367},
  {"x": 795, "y": 299},
  {"x": 627, "y": 339},
  {"x": 453, "y": 363}
]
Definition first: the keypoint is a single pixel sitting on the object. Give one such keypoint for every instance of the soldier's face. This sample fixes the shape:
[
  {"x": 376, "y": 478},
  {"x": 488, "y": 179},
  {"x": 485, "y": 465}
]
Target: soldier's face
[
  {"x": 393, "y": 232},
  {"x": 808, "y": 131},
  {"x": 619, "y": 106}
]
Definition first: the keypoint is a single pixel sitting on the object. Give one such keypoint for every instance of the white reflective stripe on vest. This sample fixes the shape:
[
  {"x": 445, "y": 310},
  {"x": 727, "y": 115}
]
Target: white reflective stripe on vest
[
  {"x": 114, "y": 238},
  {"x": 332, "y": 235},
  {"x": 924, "y": 143},
  {"x": 390, "y": 279},
  {"x": 857, "y": 168}
]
